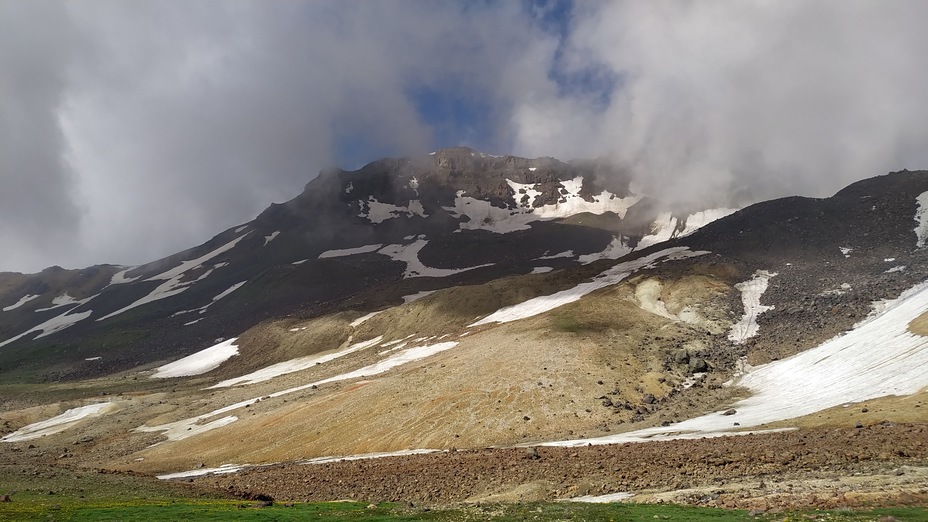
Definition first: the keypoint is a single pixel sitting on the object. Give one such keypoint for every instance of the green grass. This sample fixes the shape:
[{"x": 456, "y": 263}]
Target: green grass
[
  {"x": 23, "y": 509},
  {"x": 219, "y": 510}
]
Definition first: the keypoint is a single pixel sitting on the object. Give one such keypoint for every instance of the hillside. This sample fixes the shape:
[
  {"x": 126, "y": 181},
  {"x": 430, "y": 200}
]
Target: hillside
[{"x": 464, "y": 301}]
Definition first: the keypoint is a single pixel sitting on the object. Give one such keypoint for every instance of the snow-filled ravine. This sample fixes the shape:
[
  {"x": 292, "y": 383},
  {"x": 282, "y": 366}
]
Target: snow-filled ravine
[{"x": 751, "y": 292}]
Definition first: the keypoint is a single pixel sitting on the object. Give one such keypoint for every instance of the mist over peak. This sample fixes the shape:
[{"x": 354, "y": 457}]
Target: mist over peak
[{"x": 213, "y": 110}]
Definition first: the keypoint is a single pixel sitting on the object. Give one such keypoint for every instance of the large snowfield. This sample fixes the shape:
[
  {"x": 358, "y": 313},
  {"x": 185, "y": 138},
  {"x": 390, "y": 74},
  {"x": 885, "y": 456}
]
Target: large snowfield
[{"x": 879, "y": 357}]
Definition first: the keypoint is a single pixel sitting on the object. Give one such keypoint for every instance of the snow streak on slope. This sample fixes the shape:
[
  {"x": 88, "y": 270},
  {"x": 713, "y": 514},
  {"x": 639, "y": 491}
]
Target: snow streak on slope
[
  {"x": 268, "y": 239},
  {"x": 200, "y": 472},
  {"x": 409, "y": 254},
  {"x": 55, "y": 324},
  {"x": 350, "y": 251},
  {"x": 185, "y": 428},
  {"x": 294, "y": 365},
  {"x": 411, "y": 298},
  {"x": 120, "y": 278},
  {"x": 22, "y": 300},
  {"x": 58, "y": 423},
  {"x": 921, "y": 217},
  {"x": 357, "y": 322},
  {"x": 172, "y": 278},
  {"x": 205, "y": 307},
  {"x": 200, "y": 362},
  {"x": 879, "y": 357},
  {"x": 614, "y": 275},
  {"x": 751, "y": 292}
]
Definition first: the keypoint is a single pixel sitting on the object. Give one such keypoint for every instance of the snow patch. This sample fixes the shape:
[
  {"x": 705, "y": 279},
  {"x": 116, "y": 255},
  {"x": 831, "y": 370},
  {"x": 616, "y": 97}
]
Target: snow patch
[
  {"x": 58, "y": 423},
  {"x": 614, "y": 250},
  {"x": 921, "y": 217},
  {"x": 846, "y": 251},
  {"x": 409, "y": 254},
  {"x": 93, "y": 358},
  {"x": 484, "y": 216},
  {"x": 342, "y": 252},
  {"x": 667, "y": 226},
  {"x": 294, "y": 365},
  {"x": 22, "y": 300},
  {"x": 565, "y": 254},
  {"x": 600, "y": 499},
  {"x": 349, "y": 187},
  {"x": 221, "y": 470},
  {"x": 300, "y": 262},
  {"x": 416, "y": 296},
  {"x": 172, "y": 278},
  {"x": 65, "y": 300},
  {"x": 120, "y": 278},
  {"x": 239, "y": 229},
  {"x": 357, "y": 322},
  {"x": 268, "y": 239},
  {"x": 205, "y": 307},
  {"x": 378, "y": 212},
  {"x": 751, "y": 292},
  {"x": 541, "y": 270},
  {"x": 614, "y": 275},
  {"x": 899, "y": 268},
  {"x": 664, "y": 228},
  {"x": 55, "y": 324},
  {"x": 185, "y": 428},
  {"x": 195, "y": 321},
  {"x": 200, "y": 362},
  {"x": 365, "y": 456}
]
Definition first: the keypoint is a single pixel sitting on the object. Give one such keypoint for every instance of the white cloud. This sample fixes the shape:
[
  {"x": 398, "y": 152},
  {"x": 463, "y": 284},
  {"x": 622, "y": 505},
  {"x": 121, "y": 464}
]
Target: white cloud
[
  {"x": 778, "y": 97},
  {"x": 132, "y": 130}
]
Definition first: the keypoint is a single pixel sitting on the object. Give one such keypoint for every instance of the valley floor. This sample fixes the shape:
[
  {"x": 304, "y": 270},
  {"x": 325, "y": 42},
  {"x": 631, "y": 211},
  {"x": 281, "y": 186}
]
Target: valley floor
[{"x": 883, "y": 464}]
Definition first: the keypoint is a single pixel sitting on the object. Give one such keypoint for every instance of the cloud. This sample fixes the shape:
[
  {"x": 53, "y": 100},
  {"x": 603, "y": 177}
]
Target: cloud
[
  {"x": 36, "y": 183},
  {"x": 758, "y": 98},
  {"x": 132, "y": 130},
  {"x": 156, "y": 124}
]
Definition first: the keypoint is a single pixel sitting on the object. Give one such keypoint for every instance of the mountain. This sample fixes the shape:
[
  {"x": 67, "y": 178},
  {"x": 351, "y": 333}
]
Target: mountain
[
  {"x": 351, "y": 240},
  {"x": 466, "y": 301}
]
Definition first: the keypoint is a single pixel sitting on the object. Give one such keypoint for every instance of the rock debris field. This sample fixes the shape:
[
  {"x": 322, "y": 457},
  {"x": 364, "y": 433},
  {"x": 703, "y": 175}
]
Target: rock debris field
[{"x": 882, "y": 463}]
